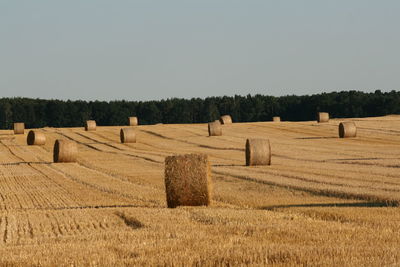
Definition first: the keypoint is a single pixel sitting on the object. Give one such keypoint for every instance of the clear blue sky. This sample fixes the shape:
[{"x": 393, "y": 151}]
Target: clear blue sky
[{"x": 141, "y": 50}]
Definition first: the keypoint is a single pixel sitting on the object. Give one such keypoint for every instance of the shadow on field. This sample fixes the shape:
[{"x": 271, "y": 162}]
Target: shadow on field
[
  {"x": 321, "y": 205},
  {"x": 26, "y": 162},
  {"x": 228, "y": 165},
  {"x": 316, "y": 137}
]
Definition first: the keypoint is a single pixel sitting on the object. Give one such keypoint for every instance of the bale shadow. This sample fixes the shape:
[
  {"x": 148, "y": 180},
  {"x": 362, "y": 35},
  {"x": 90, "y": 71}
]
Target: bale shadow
[
  {"x": 332, "y": 205},
  {"x": 228, "y": 165}
]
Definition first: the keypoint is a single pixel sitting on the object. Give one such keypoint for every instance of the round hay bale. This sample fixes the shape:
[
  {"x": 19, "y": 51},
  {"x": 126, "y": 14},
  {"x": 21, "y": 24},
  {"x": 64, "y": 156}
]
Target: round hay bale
[
  {"x": 258, "y": 152},
  {"x": 19, "y": 128},
  {"x": 127, "y": 135},
  {"x": 347, "y": 129},
  {"x": 322, "y": 117},
  {"x": 133, "y": 121},
  {"x": 90, "y": 125},
  {"x": 188, "y": 180},
  {"x": 36, "y": 138},
  {"x": 214, "y": 128},
  {"x": 276, "y": 119},
  {"x": 65, "y": 151},
  {"x": 225, "y": 119}
]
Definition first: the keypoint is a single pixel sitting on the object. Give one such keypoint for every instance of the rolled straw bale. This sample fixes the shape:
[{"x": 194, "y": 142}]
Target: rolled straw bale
[
  {"x": 19, "y": 128},
  {"x": 276, "y": 119},
  {"x": 65, "y": 151},
  {"x": 225, "y": 119},
  {"x": 347, "y": 129},
  {"x": 127, "y": 135},
  {"x": 258, "y": 152},
  {"x": 188, "y": 180},
  {"x": 90, "y": 125},
  {"x": 133, "y": 121},
  {"x": 322, "y": 117},
  {"x": 214, "y": 128},
  {"x": 35, "y": 138}
]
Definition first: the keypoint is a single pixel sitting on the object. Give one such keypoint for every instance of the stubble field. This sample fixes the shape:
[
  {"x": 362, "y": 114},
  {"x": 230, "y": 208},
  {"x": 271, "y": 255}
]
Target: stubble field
[{"x": 324, "y": 200}]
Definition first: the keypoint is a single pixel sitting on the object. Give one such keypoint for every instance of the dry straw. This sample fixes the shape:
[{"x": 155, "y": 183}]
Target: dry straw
[
  {"x": 19, "y": 128},
  {"x": 188, "y": 180},
  {"x": 258, "y": 152},
  {"x": 214, "y": 128},
  {"x": 127, "y": 135},
  {"x": 90, "y": 125},
  {"x": 65, "y": 151},
  {"x": 276, "y": 119},
  {"x": 347, "y": 129},
  {"x": 133, "y": 121},
  {"x": 322, "y": 117},
  {"x": 225, "y": 119},
  {"x": 35, "y": 138}
]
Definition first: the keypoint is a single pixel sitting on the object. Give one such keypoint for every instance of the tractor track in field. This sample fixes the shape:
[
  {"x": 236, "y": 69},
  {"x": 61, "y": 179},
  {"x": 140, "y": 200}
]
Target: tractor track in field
[
  {"x": 110, "y": 152},
  {"x": 318, "y": 192}
]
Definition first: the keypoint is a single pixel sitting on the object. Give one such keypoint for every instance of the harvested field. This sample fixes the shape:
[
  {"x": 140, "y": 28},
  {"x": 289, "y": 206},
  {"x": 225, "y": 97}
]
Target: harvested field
[{"x": 323, "y": 201}]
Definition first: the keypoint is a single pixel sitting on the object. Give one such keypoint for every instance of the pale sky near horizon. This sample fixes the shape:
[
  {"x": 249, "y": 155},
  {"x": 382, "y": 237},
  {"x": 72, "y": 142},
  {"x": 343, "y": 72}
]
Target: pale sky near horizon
[{"x": 144, "y": 50}]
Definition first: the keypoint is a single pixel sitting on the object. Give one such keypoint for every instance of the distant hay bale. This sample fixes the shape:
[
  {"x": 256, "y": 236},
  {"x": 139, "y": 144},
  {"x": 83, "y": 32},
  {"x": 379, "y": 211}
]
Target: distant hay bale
[
  {"x": 258, "y": 152},
  {"x": 133, "y": 121},
  {"x": 65, "y": 151},
  {"x": 276, "y": 119},
  {"x": 36, "y": 138},
  {"x": 225, "y": 119},
  {"x": 127, "y": 135},
  {"x": 347, "y": 129},
  {"x": 188, "y": 180},
  {"x": 322, "y": 117},
  {"x": 90, "y": 125},
  {"x": 214, "y": 128},
  {"x": 19, "y": 128}
]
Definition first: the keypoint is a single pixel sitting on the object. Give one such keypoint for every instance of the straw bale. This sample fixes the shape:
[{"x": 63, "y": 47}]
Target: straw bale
[
  {"x": 127, "y": 135},
  {"x": 65, "y": 151},
  {"x": 347, "y": 129},
  {"x": 225, "y": 119},
  {"x": 214, "y": 128},
  {"x": 36, "y": 138},
  {"x": 19, "y": 128},
  {"x": 258, "y": 152},
  {"x": 322, "y": 117},
  {"x": 90, "y": 125},
  {"x": 188, "y": 180}
]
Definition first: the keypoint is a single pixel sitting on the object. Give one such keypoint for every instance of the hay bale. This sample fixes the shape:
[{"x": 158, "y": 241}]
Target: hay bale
[
  {"x": 90, "y": 125},
  {"x": 188, "y": 180},
  {"x": 347, "y": 129},
  {"x": 127, "y": 135},
  {"x": 225, "y": 119},
  {"x": 133, "y": 121},
  {"x": 35, "y": 138},
  {"x": 258, "y": 152},
  {"x": 65, "y": 151},
  {"x": 19, "y": 128},
  {"x": 276, "y": 119},
  {"x": 214, "y": 128},
  {"x": 322, "y": 117}
]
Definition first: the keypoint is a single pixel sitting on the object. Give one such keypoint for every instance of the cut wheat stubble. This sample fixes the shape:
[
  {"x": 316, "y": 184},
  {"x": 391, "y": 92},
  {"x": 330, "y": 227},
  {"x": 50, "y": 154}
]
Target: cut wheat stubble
[
  {"x": 65, "y": 151},
  {"x": 258, "y": 152},
  {"x": 188, "y": 180}
]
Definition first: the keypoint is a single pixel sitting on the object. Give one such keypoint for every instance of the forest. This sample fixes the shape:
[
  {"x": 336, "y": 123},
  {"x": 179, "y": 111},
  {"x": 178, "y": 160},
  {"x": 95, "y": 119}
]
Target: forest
[{"x": 38, "y": 113}]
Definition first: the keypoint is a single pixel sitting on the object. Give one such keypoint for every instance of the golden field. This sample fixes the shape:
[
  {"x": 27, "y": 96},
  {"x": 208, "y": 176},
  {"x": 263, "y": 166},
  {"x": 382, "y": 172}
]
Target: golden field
[{"x": 323, "y": 201}]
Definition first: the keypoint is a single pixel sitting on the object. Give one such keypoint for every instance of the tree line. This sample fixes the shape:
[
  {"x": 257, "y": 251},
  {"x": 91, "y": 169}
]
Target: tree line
[{"x": 37, "y": 113}]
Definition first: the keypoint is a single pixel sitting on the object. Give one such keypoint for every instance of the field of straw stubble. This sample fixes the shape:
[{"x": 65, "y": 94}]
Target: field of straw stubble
[{"x": 324, "y": 200}]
